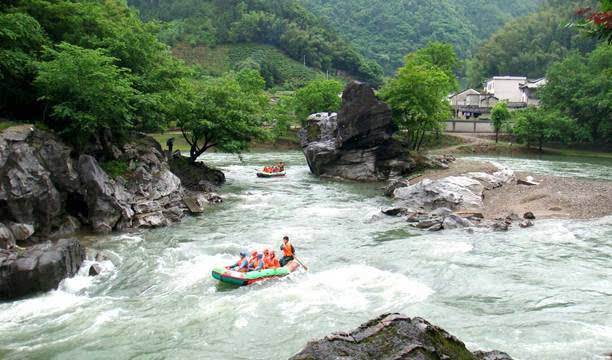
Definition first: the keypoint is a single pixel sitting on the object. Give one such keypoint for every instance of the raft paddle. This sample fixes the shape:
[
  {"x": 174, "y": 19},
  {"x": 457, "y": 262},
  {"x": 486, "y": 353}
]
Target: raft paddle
[{"x": 301, "y": 263}]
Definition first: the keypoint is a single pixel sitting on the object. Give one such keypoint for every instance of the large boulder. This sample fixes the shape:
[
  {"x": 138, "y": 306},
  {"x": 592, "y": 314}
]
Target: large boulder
[
  {"x": 453, "y": 192},
  {"x": 393, "y": 336},
  {"x": 357, "y": 142},
  {"x": 40, "y": 268},
  {"x": 27, "y": 192},
  {"x": 363, "y": 121},
  {"x": 107, "y": 202}
]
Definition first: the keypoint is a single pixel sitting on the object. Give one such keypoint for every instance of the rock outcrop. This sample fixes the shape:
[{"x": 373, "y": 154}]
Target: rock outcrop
[
  {"x": 48, "y": 191},
  {"x": 394, "y": 336},
  {"x": 39, "y": 268},
  {"x": 451, "y": 202},
  {"x": 357, "y": 142}
]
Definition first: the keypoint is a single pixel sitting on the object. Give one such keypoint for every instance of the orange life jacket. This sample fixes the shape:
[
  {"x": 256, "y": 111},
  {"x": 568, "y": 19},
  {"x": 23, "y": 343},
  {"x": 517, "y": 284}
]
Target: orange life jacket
[
  {"x": 275, "y": 263},
  {"x": 288, "y": 249}
]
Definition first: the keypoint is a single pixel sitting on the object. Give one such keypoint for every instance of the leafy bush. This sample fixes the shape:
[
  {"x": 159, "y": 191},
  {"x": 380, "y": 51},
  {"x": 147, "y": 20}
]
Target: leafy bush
[{"x": 115, "y": 168}]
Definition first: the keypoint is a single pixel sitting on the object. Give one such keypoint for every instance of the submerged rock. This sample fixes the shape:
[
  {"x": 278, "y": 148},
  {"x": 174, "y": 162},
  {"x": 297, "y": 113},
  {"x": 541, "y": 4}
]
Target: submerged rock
[
  {"x": 94, "y": 270},
  {"x": 356, "y": 143},
  {"x": 39, "y": 268},
  {"x": 393, "y": 336}
]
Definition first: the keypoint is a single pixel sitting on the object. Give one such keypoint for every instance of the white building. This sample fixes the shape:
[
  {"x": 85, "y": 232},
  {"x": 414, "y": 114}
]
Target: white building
[
  {"x": 506, "y": 88},
  {"x": 529, "y": 91}
]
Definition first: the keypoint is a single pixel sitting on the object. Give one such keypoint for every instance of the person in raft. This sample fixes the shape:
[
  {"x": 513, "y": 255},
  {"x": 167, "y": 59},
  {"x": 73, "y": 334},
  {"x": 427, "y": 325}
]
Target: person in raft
[
  {"x": 254, "y": 260},
  {"x": 270, "y": 260},
  {"x": 242, "y": 265},
  {"x": 288, "y": 251},
  {"x": 281, "y": 166}
]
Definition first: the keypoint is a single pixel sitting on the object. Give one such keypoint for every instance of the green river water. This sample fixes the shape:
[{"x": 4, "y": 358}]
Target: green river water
[{"x": 539, "y": 293}]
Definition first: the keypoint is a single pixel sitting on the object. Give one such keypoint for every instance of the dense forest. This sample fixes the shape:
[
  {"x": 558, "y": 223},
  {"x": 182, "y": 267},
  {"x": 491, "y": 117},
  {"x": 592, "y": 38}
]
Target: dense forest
[
  {"x": 283, "y": 24},
  {"x": 527, "y": 46},
  {"x": 386, "y": 31}
]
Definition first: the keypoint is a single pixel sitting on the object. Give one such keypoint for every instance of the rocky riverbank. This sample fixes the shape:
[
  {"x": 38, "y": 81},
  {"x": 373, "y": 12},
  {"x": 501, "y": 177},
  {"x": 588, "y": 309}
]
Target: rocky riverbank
[
  {"x": 48, "y": 191},
  {"x": 394, "y": 336},
  {"x": 486, "y": 194}
]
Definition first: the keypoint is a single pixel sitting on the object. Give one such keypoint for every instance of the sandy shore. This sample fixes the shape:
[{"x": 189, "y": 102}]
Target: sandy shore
[{"x": 554, "y": 197}]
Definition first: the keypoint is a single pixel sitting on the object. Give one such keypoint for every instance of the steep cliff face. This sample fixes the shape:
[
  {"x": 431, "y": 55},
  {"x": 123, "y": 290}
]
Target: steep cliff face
[{"x": 357, "y": 143}]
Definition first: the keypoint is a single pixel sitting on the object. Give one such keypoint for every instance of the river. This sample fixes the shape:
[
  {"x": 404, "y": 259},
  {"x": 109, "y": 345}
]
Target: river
[{"x": 539, "y": 293}]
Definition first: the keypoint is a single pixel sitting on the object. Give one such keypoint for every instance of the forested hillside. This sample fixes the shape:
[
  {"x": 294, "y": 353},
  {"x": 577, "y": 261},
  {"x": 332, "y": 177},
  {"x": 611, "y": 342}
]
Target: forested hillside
[
  {"x": 386, "y": 30},
  {"x": 282, "y": 24},
  {"x": 529, "y": 45}
]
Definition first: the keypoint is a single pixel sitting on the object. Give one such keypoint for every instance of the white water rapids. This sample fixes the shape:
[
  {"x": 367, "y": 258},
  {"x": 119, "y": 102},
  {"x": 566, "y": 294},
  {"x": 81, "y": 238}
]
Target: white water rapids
[{"x": 538, "y": 293}]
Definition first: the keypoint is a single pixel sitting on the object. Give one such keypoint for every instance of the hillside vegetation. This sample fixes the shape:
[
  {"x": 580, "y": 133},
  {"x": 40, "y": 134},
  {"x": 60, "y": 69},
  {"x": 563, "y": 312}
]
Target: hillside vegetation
[
  {"x": 386, "y": 31},
  {"x": 277, "y": 69},
  {"x": 285, "y": 25},
  {"x": 529, "y": 45}
]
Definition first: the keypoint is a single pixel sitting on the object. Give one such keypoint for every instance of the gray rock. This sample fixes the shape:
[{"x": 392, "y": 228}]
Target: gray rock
[
  {"x": 107, "y": 203},
  {"x": 526, "y": 182},
  {"x": 453, "y": 221},
  {"x": 40, "y": 268},
  {"x": 428, "y": 223},
  {"x": 396, "y": 211},
  {"x": 69, "y": 226},
  {"x": 7, "y": 239},
  {"x": 529, "y": 216},
  {"x": 30, "y": 194},
  {"x": 501, "y": 226},
  {"x": 174, "y": 214},
  {"x": 526, "y": 223},
  {"x": 436, "y": 227},
  {"x": 21, "y": 232},
  {"x": 391, "y": 336},
  {"x": 492, "y": 355},
  {"x": 357, "y": 142},
  {"x": 453, "y": 192},
  {"x": 94, "y": 270},
  {"x": 196, "y": 202},
  {"x": 489, "y": 181},
  {"x": 143, "y": 207},
  {"x": 442, "y": 212},
  {"x": 213, "y": 198},
  {"x": 152, "y": 220},
  {"x": 363, "y": 114},
  {"x": 55, "y": 156}
]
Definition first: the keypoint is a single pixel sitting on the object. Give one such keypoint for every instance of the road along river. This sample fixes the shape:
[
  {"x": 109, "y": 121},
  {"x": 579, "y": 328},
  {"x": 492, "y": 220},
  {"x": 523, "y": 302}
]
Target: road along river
[{"x": 538, "y": 293}]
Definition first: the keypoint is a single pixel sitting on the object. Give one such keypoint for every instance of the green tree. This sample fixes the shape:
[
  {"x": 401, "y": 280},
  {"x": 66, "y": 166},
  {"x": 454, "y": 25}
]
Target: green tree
[
  {"x": 319, "y": 95},
  {"x": 581, "y": 88},
  {"x": 221, "y": 113},
  {"x": 86, "y": 93},
  {"x": 417, "y": 95},
  {"x": 21, "y": 42},
  {"x": 534, "y": 126},
  {"x": 499, "y": 117},
  {"x": 527, "y": 46}
]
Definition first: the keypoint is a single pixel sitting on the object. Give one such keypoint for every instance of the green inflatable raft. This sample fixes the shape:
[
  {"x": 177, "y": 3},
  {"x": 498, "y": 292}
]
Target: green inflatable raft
[{"x": 239, "y": 278}]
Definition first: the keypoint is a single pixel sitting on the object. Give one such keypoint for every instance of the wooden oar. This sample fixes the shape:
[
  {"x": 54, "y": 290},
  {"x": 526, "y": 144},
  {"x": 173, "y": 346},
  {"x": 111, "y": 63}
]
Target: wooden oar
[{"x": 301, "y": 263}]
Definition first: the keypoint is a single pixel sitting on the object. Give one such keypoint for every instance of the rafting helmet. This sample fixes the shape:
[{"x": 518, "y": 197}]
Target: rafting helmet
[{"x": 243, "y": 253}]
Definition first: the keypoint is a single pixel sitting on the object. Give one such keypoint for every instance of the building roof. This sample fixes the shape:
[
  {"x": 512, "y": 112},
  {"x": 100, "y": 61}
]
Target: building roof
[
  {"x": 519, "y": 78},
  {"x": 463, "y": 92}
]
